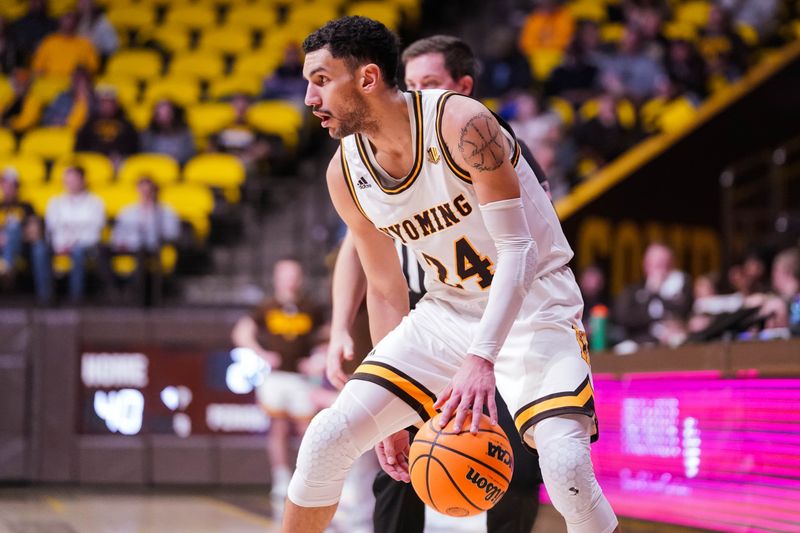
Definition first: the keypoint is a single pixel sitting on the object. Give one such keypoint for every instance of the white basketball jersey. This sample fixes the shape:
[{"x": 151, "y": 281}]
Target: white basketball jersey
[{"x": 434, "y": 210}]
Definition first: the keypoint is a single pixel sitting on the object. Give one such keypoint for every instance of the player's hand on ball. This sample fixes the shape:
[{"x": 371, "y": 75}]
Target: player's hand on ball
[
  {"x": 393, "y": 456},
  {"x": 340, "y": 348},
  {"x": 470, "y": 390}
]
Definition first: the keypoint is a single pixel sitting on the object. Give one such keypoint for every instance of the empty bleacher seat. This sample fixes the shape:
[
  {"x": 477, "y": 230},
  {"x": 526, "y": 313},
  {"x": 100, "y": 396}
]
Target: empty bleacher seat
[
  {"x": 135, "y": 63},
  {"x": 48, "y": 142},
  {"x": 200, "y": 64},
  {"x": 161, "y": 168},
  {"x": 209, "y": 118},
  {"x": 116, "y": 197},
  {"x": 197, "y": 16},
  {"x": 384, "y": 12},
  {"x": 230, "y": 39},
  {"x": 277, "y": 117},
  {"x": 222, "y": 171},
  {"x": 98, "y": 169},
  {"x": 7, "y": 142},
  {"x": 130, "y": 16},
  {"x": 30, "y": 168},
  {"x": 230, "y": 85},
  {"x": 192, "y": 203},
  {"x": 253, "y": 16},
  {"x": 182, "y": 90}
]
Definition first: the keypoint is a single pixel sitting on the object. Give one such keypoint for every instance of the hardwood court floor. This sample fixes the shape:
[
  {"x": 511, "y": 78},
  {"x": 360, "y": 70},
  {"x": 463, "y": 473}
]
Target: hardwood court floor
[{"x": 79, "y": 510}]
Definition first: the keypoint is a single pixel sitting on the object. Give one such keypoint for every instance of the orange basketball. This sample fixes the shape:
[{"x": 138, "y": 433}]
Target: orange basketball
[{"x": 460, "y": 474}]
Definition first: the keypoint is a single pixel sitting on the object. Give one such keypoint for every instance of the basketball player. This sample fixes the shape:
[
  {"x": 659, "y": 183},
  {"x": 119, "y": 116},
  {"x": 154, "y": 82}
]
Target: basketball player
[
  {"x": 437, "y": 62},
  {"x": 435, "y": 171}
]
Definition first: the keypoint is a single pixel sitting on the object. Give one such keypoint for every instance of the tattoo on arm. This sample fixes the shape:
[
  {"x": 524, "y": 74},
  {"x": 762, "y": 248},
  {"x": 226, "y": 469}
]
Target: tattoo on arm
[{"x": 481, "y": 143}]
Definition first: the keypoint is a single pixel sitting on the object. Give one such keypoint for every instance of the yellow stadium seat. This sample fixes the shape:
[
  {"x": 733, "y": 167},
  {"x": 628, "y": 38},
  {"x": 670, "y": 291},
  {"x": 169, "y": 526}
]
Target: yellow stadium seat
[
  {"x": 48, "y": 142},
  {"x": 277, "y": 117},
  {"x": 13, "y": 9},
  {"x": 311, "y": 14},
  {"x": 117, "y": 197},
  {"x": 612, "y": 33},
  {"x": 193, "y": 16},
  {"x": 231, "y": 40},
  {"x": 694, "y": 12},
  {"x": 563, "y": 109},
  {"x": 8, "y": 143},
  {"x": 259, "y": 63},
  {"x": 380, "y": 11},
  {"x": 410, "y": 8},
  {"x": 626, "y": 112},
  {"x": 172, "y": 38},
  {"x": 98, "y": 169},
  {"x": 39, "y": 195},
  {"x": 543, "y": 62},
  {"x": 252, "y": 16},
  {"x": 223, "y": 171},
  {"x": 188, "y": 199},
  {"x": 46, "y": 88},
  {"x": 126, "y": 87},
  {"x": 57, "y": 8},
  {"x": 588, "y": 10},
  {"x": 30, "y": 168},
  {"x": 140, "y": 114},
  {"x": 680, "y": 31},
  {"x": 161, "y": 168},
  {"x": 131, "y": 16},
  {"x": 677, "y": 115},
  {"x": 182, "y": 90},
  {"x": 209, "y": 118},
  {"x": 138, "y": 64},
  {"x": 203, "y": 65},
  {"x": 228, "y": 86},
  {"x": 6, "y": 93},
  {"x": 748, "y": 34}
]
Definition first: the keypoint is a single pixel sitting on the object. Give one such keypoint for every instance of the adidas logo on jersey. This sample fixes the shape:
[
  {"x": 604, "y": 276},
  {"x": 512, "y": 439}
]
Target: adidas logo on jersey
[{"x": 363, "y": 183}]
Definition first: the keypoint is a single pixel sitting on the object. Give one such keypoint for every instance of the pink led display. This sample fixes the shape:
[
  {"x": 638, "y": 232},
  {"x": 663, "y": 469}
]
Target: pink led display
[{"x": 699, "y": 450}]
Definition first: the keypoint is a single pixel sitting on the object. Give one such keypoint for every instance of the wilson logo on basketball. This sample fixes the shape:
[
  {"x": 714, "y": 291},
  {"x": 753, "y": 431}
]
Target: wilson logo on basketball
[
  {"x": 498, "y": 452},
  {"x": 493, "y": 492}
]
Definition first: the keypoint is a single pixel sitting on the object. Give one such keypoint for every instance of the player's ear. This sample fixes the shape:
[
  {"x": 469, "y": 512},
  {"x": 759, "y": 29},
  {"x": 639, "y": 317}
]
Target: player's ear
[
  {"x": 465, "y": 85},
  {"x": 370, "y": 76}
]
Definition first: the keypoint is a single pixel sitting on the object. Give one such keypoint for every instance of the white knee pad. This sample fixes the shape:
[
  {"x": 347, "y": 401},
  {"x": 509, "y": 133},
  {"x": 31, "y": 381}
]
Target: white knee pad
[
  {"x": 564, "y": 457},
  {"x": 363, "y": 414}
]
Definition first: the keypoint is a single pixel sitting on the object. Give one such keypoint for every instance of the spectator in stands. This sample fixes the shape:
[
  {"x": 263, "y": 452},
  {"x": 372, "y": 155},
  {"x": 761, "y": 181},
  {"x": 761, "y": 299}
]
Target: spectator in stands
[
  {"x": 141, "y": 230},
  {"x": 592, "y": 282},
  {"x": 283, "y": 331},
  {"x": 19, "y": 226},
  {"x": 588, "y": 38},
  {"x": 786, "y": 274},
  {"x": 749, "y": 276},
  {"x": 761, "y": 15},
  {"x": 532, "y": 124},
  {"x": 686, "y": 68},
  {"x": 241, "y": 139},
  {"x": 71, "y": 107},
  {"x": 654, "y": 311},
  {"x": 95, "y": 26},
  {"x": 649, "y": 20},
  {"x": 29, "y": 30},
  {"x": 630, "y": 72},
  {"x": 723, "y": 49},
  {"x": 108, "y": 130},
  {"x": 60, "y": 53},
  {"x": 504, "y": 68},
  {"x": 74, "y": 222},
  {"x": 9, "y": 49},
  {"x": 603, "y": 138},
  {"x": 575, "y": 79},
  {"x": 13, "y": 115},
  {"x": 168, "y": 133},
  {"x": 549, "y": 27},
  {"x": 287, "y": 81}
]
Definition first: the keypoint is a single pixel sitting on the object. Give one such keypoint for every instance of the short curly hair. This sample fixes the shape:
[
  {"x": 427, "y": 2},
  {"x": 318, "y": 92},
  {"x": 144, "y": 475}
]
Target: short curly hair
[{"x": 358, "y": 41}]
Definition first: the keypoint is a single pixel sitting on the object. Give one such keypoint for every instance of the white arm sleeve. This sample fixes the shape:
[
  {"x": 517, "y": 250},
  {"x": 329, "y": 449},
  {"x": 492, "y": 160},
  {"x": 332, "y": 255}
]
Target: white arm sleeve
[{"x": 517, "y": 256}]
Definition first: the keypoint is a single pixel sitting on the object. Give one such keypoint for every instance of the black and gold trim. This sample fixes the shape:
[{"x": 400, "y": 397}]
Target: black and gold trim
[
  {"x": 448, "y": 158},
  {"x": 349, "y": 180},
  {"x": 579, "y": 401},
  {"x": 418, "y": 151},
  {"x": 411, "y": 391}
]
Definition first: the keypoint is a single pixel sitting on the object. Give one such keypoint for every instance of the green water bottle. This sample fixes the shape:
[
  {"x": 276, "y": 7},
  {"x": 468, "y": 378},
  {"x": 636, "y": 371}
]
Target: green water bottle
[{"x": 598, "y": 328}]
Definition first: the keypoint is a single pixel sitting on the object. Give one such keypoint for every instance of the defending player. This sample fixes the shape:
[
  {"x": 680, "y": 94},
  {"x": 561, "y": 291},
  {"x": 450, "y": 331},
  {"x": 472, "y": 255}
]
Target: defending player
[
  {"x": 477, "y": 219},
  {"x": 437, "y": 62}
]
